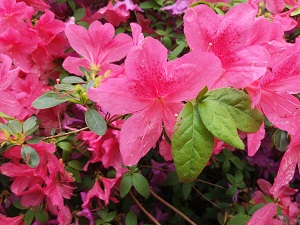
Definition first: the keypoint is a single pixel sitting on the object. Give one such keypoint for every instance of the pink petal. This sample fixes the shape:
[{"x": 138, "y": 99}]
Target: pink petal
[
  {"x": 72, "y": 64},
  {"x": 286, "y": 169},
  {"x": 254, "y": 140},
  {"x": 9, "y": 105},
  {"x": 7, "y": 77},
  {"x": 265, "y": 186},
  {"x": 263, "y": 215},
  {"x": 275, "y": 6},
  {"x": 139, "y": 134},
  {"x": 191, "y": 73},
  {"x": 123, "y": 92},
  {"x": 137, "y": 34},
  {"x": 200, "y": 25},
  {"x": 245, "y": 66}
]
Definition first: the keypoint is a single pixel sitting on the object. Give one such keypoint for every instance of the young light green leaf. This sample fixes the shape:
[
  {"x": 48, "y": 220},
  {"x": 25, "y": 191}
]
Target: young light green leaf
[
  {"x": 95, "y": 122},
  {"x": 192, "y": 143},
  {"x": 296, "y": 11},
  {"x": 4, "y": 127},
  {"x": 48, "y": 100},
  {"x": 29, "y": 124},
  {"x": 201, "y": 93},
  {"x": 3, "y": 115},
  {"x": 219, "y": 122},
  {"x": 15, "y": 126},
  {"x": 64, "y": 87},
  {"x": 131, "y": 218},
  {"x": 125, "y": 185},
  {"x": 141, "y": 184},
  {"x": 30, "y": 156},
  {"x": 238, "y": 104},
  {"x": 72, "y": 80}
]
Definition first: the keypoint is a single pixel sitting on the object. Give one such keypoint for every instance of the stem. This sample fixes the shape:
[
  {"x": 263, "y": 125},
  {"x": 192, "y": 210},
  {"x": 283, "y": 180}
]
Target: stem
[
  {"x": 206, "y": 182},
  {"x": 172, "y": 207},
  {"x": 206, "y": 198},
  {"x": 65, "y": 134},
  {"x": 143, "y": 209}
]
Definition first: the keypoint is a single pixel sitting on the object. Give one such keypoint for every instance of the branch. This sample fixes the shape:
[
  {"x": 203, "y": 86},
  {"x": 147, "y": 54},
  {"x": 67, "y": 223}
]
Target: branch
[
  {"x": 143, "y": 209},
  {"x": 65, "y": 134},
  {"x": 172, "y": 207}
]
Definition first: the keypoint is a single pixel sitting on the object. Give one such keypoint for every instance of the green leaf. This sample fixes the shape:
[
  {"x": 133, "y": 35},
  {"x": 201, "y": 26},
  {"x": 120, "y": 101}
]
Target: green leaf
[
  {"x": 149, "y": 5},
  {"x": 172, "y": 179},
  {"x": 95, "y": 122},
  {"x": 219, "y": 122},
  {"x": 29, "y": 125},
  {"x": 176, "y": 51},
  {"x": 75, "y": 173},
  {"x": 296, "y": 11},
  {"x": 103, "y": 213},
  {"x": 187, "y": 188},
  {"x": 18, "y": 205},
  {"x": 48, "y": 100},
  {"x": 34, "y": 140},
  {"x": 254, "y": 208},
  {"x": 72, "y": 80},
  {"x": 30, "y": 156},
  {"x": 141, "y": 184},
  {"x": 230, "y": 178},
  {"x": 167, "y": 42},
  {"x": 201, "y": 93},
  {"x": 3, "y": 115},
  {"x": 75, "y": 164},
  {"x": 4, "y": 127},
  {"x": 79, "y": 14},
  {"x": 131, "y": 218},
  {"x": 281, "y": 140},
  {"x": 239, "y": 219},
  {"x": 238, "y": 104},
  {"x": 192, "y": 143},
  {"x": 110, "y": 216},
  {"x": 237, "y": 162},
  {"x": 72, "y": 4},
  {"x": 125, "y": 185},
  {"x": 64, "y": 87},
  {"x": 41, "y": 216},
  {"x": 15, "y": 126},
  {"x": 29, "y": 215}
]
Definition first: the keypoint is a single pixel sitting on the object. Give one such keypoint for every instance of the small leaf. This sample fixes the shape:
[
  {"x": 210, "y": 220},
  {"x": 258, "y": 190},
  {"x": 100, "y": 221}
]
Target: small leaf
[
  {"x": 29, "y": 215},
  {"x": 176, "y": 51},
  {"x": 79, "y": 14},
  {"x": 141, "y": 184},
  {"x": 30, "y": 156},
  {"x": 72, "y": 80},
  {"x": 125, "y": 185},
  {"x": 219, "y": 122},
  {"x": 29, "y": 124},
  {"x": 64, "y": 87},
  {"x": 3, "y": 115},
  {"x": 48, "y": 100},
  {"x": 296, "y": 11},
  {"x": 254, "y": 208},
  {"x": 75, "y": 164},
  {"x": 95, "y": 122},
  {"x": 75, "y": 173},
  {"x": 110, "y": 216},
  {"x": 238, "y": 104},
  {"x": 187, "y": 188},
  {"x": 201, "y": 93},
  {"x": 192, "y": 143},
  {"x": 41, "y": 216},
  {"x": 239, "y": 219},
  {"x": 281, "y": 140},
  {"x": 34, "y": 140},
  {"x": 131, "y": 218},
  {"x": 15, "y": 126},
  {"x": 4, "y": 127}
]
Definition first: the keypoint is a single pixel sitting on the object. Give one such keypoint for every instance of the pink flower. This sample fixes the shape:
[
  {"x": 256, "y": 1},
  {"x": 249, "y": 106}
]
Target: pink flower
[
  {"x": 152, "y": 90},
  {"x": 98, "y": 47},
  {"x": 17, "y": 220},
  {"x": 264, "y": 216},
  {"x": 227, "y": 38}
]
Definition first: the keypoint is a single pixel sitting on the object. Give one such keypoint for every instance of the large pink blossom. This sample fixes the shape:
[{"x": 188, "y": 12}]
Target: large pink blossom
[
  {"x": 98, "y": 47},
  {"x": 227, "y": 38},
  {"x": 152, "y": 90}
]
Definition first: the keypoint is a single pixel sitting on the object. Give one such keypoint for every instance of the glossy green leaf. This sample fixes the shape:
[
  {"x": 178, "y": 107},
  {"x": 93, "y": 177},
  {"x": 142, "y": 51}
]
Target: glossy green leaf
[
  {"x": 131, "y": 218},
  {"x": 48, "y": 100},
  {"x": 238, "y": 104},
  {"x": 239, "y": 219},
  {"x": 30, "y": 156},
  {"x": 219, "y": 122},
  {"x": 192, "y": 143},
  {"x": 95, "y": 122},
  {"x": 141, "y": 184},
  {"x": 30, "y": 125},
  {"x": 125, "y": 185},
  {"x": 75, "y": 164}
]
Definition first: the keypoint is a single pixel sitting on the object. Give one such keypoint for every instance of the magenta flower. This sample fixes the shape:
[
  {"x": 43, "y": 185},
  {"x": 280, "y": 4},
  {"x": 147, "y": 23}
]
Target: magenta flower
[
  {"x": 98, "y": 47},
  {"x": 152, "y": 90},
  {"x": 227, "y": 38}
]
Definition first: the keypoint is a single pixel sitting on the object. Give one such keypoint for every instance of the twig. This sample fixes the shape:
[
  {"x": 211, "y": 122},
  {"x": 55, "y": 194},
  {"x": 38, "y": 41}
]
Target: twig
[
  {"x": 206, "y": 182},
  {"x": 65, "y": 134},
  {"x": 143, "y": 209},
  {"x": 172, "y": 207},
  {"x": 206, "y": 198}
]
